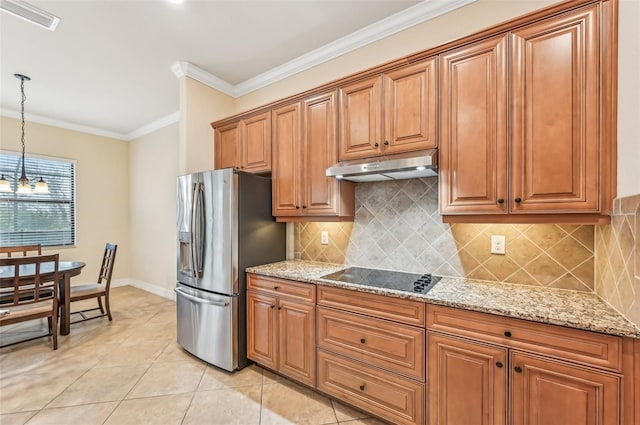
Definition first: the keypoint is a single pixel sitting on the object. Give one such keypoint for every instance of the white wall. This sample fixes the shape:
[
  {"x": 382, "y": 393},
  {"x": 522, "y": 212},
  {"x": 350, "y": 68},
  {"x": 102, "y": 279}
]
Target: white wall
[
  {"x": 153, "y": 162},
  {"x": 102, "y": 190}
]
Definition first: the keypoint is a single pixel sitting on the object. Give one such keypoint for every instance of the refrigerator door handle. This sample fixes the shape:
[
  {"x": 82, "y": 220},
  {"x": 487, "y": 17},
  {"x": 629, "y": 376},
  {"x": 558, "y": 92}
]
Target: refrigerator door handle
[
  {"x": 197, "y": 230},
  {"x": 200, "y": 300}
]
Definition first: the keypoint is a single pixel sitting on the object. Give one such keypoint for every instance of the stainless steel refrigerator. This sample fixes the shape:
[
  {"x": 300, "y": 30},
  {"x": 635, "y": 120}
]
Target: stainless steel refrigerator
[{"x": 224, "y": 226}]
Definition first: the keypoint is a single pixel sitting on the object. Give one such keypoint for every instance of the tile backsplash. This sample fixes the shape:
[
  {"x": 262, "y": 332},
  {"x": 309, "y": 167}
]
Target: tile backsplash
[
  {"x": 618, "y": 258},
  {"x": 398, "y": 227}
]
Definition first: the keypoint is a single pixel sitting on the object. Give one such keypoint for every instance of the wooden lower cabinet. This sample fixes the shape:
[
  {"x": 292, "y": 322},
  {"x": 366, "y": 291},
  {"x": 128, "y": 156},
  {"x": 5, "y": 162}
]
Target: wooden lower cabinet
[
  {"x": 397, "y": 400},
  {"x": 281, "y": 335},
  {"x": 548, "y": 392},
  {"x": 467, "y": 382}
]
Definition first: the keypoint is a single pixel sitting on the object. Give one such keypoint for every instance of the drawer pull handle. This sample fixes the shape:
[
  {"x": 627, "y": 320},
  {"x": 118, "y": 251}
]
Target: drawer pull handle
[
  {"x": 518, "y": 369},
  {"x": 361, "y": 387},
  {"x": 507, "y": 334},
  {"x": 499, "y": 364},
  {"x": 362, "y": 340},
  {"x": 275, "y": 288}
]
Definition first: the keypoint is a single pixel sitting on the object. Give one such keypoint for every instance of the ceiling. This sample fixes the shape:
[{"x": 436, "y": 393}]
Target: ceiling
[{"x": 107, "y": 68}]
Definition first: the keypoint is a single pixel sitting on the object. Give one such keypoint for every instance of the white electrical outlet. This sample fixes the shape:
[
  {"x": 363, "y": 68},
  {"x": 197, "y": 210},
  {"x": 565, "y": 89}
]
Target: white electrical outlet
[
  {"x": 498, "y": 244},
  {"x": 324, "y": 237}
]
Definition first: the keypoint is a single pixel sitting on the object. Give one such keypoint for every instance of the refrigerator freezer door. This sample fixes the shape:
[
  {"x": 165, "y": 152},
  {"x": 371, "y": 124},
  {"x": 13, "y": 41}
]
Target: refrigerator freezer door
[{"x": 207, "y": 327}]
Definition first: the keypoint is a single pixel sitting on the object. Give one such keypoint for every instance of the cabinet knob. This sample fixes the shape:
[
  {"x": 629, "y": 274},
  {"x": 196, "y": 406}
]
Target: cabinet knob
[
  {"x": 280, "y": 308},
  {"x": 361, "y": 387},
  {"x": 304, "y": 206},
  {"x": 362, "y": 340},
  {"x": 272, "y": 306},
  {"x": 518, "y": 369},
  {"x": 376, "y": 144},
  {"x": 499, "y": 364},
  {"x": 507, "y": 334},
  {"x": 297, "y": 207},
  {"x": 500, "y": 200},
  {"x": 275, "y": 288},
  {"x": 386, "y": 143},
  {"x": 518, "y": 200}
]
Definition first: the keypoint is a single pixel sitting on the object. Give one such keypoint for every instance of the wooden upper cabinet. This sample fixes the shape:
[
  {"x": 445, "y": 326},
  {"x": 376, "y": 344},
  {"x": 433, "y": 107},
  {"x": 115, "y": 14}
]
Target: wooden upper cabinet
[
  {"x": 256, "y": 143},
  {"x": 304, "y": 146},
  {"x": 546, "y": 392},
  {"x": 555, "y": 140},
  {"x": 287, "y": 155},
  {"x": 390, "y": 113},
  {"x": 226, "y": 146},
  {"x": 410, "y": 108},
  {"x": 244, "y": 144},
  {"x": 361, "y": 119},
  {"x": 473, "y": 128}
]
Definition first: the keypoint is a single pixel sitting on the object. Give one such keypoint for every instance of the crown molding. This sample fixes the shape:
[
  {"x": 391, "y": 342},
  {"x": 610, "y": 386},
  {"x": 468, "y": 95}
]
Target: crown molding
[
  {"x": 142, "y": 131},
  {"x": 414, "y": 15},
  {"x": 153, "y": 126}
]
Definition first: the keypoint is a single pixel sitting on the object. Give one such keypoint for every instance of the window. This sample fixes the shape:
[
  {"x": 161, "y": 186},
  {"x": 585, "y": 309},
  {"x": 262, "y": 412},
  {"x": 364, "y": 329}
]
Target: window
[{"x": 47, "y": 219}]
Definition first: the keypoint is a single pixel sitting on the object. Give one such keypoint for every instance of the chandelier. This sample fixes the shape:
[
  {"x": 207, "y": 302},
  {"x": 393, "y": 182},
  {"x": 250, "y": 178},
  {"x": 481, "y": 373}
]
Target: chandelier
[{"x": 24, "y": 187}]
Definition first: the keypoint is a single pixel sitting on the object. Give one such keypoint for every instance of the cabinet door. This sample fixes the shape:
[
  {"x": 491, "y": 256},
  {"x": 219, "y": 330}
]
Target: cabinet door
[
  {"x": 261, "y": 329},
  {"x": 544, "y": 392},
  {"x": 467, "y": 382},
  {"x": 286, "y": 126},
  {"x": 320, "y": 193},
  {"x": 410, "y": 108},
  {"x": 297, "y": 341},
  {"x": 361, "y": 119},
  {"x": 227, "y": 146},
  {"x": 473, "y": 128},
  {"x": 555, "y": 140},
  {"x": 256, "y": 143}
]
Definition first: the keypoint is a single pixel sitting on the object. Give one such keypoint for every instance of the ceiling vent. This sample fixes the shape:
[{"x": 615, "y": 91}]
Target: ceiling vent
[{"x": 30, "y": 13}]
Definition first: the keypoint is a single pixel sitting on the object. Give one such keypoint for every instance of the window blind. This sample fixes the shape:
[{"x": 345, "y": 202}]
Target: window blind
[{"x": 47, "y": 219}]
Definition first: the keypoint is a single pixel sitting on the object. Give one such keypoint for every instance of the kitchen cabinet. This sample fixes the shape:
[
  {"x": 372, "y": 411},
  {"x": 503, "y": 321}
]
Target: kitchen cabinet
[
  {"x": 370, "y": 350},
  {"x": 304, "y": 145},
  {"x": 281, "y": 326},
  {"x": 540, "y": 374},
  {"x": 390, "y": 113},
  {"x": 245, "y": 144},
  {"x": 520, "y": 136}
]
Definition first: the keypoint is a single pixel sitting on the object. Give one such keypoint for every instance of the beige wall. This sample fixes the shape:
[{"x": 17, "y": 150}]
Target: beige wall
[
  {"x": 153, "y": 163},
  {"x": 102, "y": 189},
  {"x": 199, "y": 106}
]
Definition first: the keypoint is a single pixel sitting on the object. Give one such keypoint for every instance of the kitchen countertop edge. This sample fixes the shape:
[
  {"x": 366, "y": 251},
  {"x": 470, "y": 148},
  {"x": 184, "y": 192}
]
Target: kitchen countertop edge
[{"x": 560, "y": 307}]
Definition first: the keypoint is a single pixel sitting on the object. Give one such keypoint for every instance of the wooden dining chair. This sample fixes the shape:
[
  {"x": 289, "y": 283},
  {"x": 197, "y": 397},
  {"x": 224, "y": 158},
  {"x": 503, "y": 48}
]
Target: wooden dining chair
[
  {"x": 99, "y": 289},
  {"x": 23, "y": 249},
  {"x": 32, "y": 292}
]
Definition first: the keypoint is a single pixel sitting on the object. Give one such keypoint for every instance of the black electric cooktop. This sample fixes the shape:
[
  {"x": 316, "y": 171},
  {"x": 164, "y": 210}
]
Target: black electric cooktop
[{"x": 401, "y": 281}]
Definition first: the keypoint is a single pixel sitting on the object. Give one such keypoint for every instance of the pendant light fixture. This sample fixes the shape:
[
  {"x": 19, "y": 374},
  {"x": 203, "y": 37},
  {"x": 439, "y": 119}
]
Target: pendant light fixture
[{"x": 24, "y": 187}]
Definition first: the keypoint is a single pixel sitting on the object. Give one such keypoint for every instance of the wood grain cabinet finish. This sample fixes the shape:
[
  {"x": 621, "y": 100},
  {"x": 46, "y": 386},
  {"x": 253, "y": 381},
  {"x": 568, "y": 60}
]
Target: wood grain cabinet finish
[
  {"x": 245, "y": 144},
  {"x": 555, "y": 142},
  {"x": 473, "y": 128},
  {"x": 544, "y": 79},
  {"x": 380, "y": 343},
  {"x": 467, "y": 382},
  {"x": 400, "y": 401},
  {"x": 304, "y": 146},
  {"x": 548, "y": 392},
  {"x": 390, "y": 113},
  {"x": 281, "y": 329}
]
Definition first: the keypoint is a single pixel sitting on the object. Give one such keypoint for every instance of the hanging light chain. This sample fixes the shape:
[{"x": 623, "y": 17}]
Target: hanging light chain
[{"x": 24, "y": 98}]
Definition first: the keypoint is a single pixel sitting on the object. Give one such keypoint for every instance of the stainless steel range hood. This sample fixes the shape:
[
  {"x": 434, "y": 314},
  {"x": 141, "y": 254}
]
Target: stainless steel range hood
[{"x": 390, "y": 167}]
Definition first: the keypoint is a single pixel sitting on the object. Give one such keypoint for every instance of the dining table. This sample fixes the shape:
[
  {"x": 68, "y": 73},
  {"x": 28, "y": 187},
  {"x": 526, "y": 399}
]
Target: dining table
[{"x": 66, "y": 270}]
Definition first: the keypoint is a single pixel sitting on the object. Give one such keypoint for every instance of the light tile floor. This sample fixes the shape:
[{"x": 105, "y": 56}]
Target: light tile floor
[{"x": 131, "y": 371}]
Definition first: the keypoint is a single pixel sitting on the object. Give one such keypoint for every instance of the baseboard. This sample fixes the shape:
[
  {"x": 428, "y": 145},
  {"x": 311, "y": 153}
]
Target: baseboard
[{"x": 145, "y": 286}]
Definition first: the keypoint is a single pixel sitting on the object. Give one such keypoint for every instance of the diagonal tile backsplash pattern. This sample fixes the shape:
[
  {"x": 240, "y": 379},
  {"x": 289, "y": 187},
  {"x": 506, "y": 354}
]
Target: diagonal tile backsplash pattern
[
  {"x": 398, "y": 227},
  {"x": 618, "y": 258}
]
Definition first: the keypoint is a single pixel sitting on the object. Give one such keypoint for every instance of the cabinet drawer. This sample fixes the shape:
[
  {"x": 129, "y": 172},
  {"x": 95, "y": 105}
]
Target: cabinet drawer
[
  {"x": 289, "y": 288},
  {"x": 392, "y": 346},
  {"x": 400, "y": 401},
  {"x": 582, "y": 346},
  {"x": 381, "y": 306}
]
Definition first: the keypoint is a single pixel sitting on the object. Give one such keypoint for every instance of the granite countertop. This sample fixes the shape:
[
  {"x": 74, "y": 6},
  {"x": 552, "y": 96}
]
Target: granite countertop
[{"x": 575, "y": 309}]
